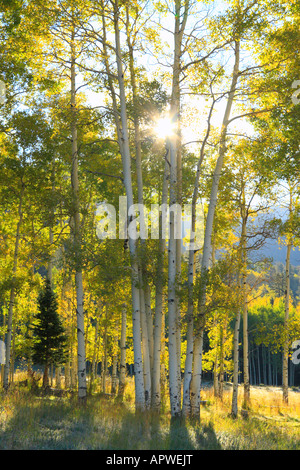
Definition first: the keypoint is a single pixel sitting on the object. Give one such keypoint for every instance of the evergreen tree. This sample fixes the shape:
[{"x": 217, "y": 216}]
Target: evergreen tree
[{"x": 49, "y": 333}]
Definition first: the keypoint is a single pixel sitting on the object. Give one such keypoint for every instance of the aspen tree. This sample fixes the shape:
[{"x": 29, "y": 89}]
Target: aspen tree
[
  {"x": 159, "y": 291},
  {"x": 205, "y": 264},
  {"x": 188, "y": 368},
  {"x": 285, "y": 356},
  {"x": 122, "y": 376},
  {"x": 174, "y": 248},
  {"x": 126, "y": 161},
  {"x": 82, "y": 384},
  {"x": 145, "y": 294},
  {"x": 235, "y": 385},
  {"x": 13, "y": 287}
]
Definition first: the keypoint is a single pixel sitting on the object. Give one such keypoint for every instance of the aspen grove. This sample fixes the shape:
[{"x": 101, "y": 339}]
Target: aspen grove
[{"x": 111, "y": 109}]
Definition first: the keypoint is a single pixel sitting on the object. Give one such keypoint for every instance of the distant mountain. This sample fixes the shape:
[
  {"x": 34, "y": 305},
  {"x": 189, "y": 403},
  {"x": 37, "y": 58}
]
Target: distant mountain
[{"x": 273, "y": 250}]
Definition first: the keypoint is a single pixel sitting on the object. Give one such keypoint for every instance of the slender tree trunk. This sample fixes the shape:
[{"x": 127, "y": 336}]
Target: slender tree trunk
[
  {"x": 13, "y": 290},
  {"x": 46, "y": 376},
  {"x": 104, "y": 357},
  {"x": 210, "y": 218},
  {"x": 67, "y": 375},
  {"x": 188, "y": 368},
  {"x": 159, "y": 289},
  {"x": 150, "y": 327},
  {"x": 258, "y": 365},
  {"x": 147, "y": 333},
  {"x": 123, "y": 352},
  {"x": 285, "y": 361},
  {"x": 172, "y": 311},
  {"x": 234, "y": 404},
  {"x": 197, "y": 374},
  {"x": 145, "y": 348},
  {"x": 93, "y": 366},
  {"x": 163, "y": 373},
  {"x": 82, "y": 386},
  {"x": 245, "y": 303},
  {"x": 58, "y": 376},
  {"x": 174, "y": 249},
  {"x": 114, "y": 375},
  {"x": 123, "y": 138},
  {"x": 221, "y": 380}
]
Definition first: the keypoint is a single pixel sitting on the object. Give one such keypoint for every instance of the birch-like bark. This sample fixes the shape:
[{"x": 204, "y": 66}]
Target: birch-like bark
[
  {"x": 145, "y": 349},
  {"x": 186, "y": 404},
  {"x": 150, "y": 326},
  {"x": 50, "y": 262},
  {"x": 104, "y": 355},
  {"x": 114, "y": 376},
  {"x": 285, "y": 361},
  {"x": 93, "y": 365},
  {"x": 172, "y": 312},
  {"x": 159, "y": 288},
  {"x": 13, "y": 290},
  {"x": 174, "y": 249},
  {"x": 234, "y": 403},
  {"x": 209, "y": 227},
  {"x": 145, "y": 294},
  {"x": 245, "y": 303},
  {"x": 81, "y": 359},
  {"x": 285, "y": 358},
  {"x": 123, "y": 352},
  {"x": 197, "y": 375},
  {"x": 126, "y": 160},
  {"x": 174, "y": 268},
  {"x": 221, "y": 376}
]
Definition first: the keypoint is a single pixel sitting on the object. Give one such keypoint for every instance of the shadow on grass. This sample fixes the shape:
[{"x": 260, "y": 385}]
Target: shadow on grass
[
  {"x": 61, "y": 424},
  {"x": 192, "y": 436}
]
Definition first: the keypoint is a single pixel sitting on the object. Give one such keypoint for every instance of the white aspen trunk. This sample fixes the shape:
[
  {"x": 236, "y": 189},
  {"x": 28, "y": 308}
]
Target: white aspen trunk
[
  {"x": 50, "y": 262},
  {"x": 145, "y": 348},
  {"x": 149, "y": 318},
  {"x": 172, "y": 311},
  {"x": 197, "y": 374},
  {"x": 244, "y": 303},
  {"x": 81, "y": 360},
  {"x": 211, "y": 211},
  {"x": 221, "y": 378},
  {"x": 104, "y": 355},
  {"x": 186, "y": 404},
  {"x": 159, "y": 287},
  {"x": 216, "y": 374},
  {"x": 93, "y": 365},
  {"x": 114, "y": 376},
  {"x": 219, "y": 164},
  {"x": 188, "y": 367},
  {"x": 126, "y": 160},
  {"x": 145, "y": 294},
  {"x": 234, "y": 403},
  {"x": 122, "y": 377},
  {"x": 173, "y": 346},
  {"x": 174, "y": 265},
  {"x": 163, "y": 374},
  {"x": 13, "y": 292},
  {"x": 285, "y": 359}
]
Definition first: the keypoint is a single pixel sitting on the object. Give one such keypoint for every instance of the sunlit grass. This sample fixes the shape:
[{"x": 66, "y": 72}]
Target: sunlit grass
[{"x": 28, "y": 421}]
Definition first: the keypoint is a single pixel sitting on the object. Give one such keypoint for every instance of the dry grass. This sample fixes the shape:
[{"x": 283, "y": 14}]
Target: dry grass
[{"x": 28, "y": 421}]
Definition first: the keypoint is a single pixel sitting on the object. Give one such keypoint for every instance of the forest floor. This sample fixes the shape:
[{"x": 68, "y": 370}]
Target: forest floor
[{"x": 33, "y": 422}]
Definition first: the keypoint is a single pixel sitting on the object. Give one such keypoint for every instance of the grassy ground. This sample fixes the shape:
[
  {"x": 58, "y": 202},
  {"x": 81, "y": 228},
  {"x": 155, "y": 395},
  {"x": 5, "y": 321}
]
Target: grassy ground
[{"x": 28, "y": 421}]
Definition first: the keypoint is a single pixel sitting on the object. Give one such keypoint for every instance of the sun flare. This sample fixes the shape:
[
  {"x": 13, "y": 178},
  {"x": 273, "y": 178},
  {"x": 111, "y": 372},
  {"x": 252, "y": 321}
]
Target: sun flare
[{"x": 164, "y": 128}]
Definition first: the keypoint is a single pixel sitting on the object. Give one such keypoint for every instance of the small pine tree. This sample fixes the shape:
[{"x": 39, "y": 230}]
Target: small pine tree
[{"x": 49, "y": 334}]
